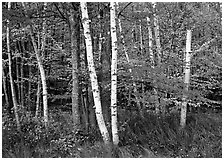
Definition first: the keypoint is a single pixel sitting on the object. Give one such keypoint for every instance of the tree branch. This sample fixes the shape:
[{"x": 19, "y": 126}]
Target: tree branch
[
  {"x": 123, "y": 9},
  {"x": 60, "y": 12},
  {"x": 204, "y": 46}
]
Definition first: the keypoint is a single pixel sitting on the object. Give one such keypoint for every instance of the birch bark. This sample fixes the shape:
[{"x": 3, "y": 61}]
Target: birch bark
[
  {"x": 92, "y": 72},
  {"x": 114, "y": 74},
  {"x": 186, "y": 80}
]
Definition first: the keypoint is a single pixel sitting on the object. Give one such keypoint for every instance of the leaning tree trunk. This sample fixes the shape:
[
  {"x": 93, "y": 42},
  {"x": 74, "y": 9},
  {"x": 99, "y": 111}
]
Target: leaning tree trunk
[
  {"x": 93, "y": 77},
  {"x": 40, "y": 63},
  {"x": 186, "y": 80},
  {"x": 114, "y": 74},
  {"x": 75, "y": 50},
  {"x": 10, "y": 74}
]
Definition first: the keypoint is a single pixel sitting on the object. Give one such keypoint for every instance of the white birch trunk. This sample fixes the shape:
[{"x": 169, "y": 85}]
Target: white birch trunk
[
  {"x": 114, "y": 74},
  {"x": 92, "y": 72},
  {"x": 141, "y": 39},
  {"x": 38, "y": 98},
  {"x": 186, "y": 80},
  {"x": 158, "y": 46},
  {"x": 15, "y": 105},
  {"x": 156, "y": 30},
  {"x": 150, "y": 42},
  {"x": 40, "y": 64}
]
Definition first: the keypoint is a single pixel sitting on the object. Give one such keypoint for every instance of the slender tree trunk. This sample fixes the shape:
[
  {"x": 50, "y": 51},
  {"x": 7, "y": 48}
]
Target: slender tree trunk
[
  {"x": 37, "y": 114},
  {"x": 93, "y": 77},
  {"x": 40, "y": 63},
  {"x": 156, "y": 30},
  {"x": 186, "y": 80},
  {"x": 114, "y": 74},
  {"x": 22, "y": 75},
  {"x": 150, "y": 42},
  {"x": 75, "y": 50},
  {"x": 29, "y": 87},
  {"x": 141, "y": 38},
  {"x": 18, "y": 81},
  {"x": 5, "y": 88},
  {"x": 10, "y": 74}
]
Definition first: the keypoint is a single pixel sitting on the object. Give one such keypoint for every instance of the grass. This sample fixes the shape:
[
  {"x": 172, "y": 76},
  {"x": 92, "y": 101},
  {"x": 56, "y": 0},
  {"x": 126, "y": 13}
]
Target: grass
[{"x": 151, "y": 136}]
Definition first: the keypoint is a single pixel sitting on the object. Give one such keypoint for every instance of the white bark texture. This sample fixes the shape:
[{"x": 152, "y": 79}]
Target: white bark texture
[
  {"x": 141, "y": 39},
  {"x": 186, "y": 80},
  {"x": 156, "y": 30},
  {"x": 40, "y": 65},
  {"x": 92, "y": 72},
  {"x": 114, "y": 74},
  {"x": 150, "y": 42},
  {"x": 15, "y": 105}
]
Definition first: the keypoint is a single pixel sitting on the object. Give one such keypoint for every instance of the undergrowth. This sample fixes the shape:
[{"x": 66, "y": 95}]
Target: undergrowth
[{"x": 200, "y": 138}]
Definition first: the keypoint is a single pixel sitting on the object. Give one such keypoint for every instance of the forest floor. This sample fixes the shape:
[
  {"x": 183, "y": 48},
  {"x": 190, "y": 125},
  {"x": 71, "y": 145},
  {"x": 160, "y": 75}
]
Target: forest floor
[{"x": 148, "y": 137}]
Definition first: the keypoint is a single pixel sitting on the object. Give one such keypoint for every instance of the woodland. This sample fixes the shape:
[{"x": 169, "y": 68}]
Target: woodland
[{"x": 109, "y": 79}]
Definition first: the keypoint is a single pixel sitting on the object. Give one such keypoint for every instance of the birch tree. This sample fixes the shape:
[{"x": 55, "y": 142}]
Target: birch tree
[
  {"x": 156, "y": 30},
  {"x": 38, "y": 52},
  {"x": 94, "y": 83},
  {"x": 15, "y": 105},
  {"x": 150, "y": 42},
  {"x": 5, "y": 87},
  {"x": 141, "y": 38},
  {"x": 186, "y": 80},
  {"x": 114, "y": 74}
]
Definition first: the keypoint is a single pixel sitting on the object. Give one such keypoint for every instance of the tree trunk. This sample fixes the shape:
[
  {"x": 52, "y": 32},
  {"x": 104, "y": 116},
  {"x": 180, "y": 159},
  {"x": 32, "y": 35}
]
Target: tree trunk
[
  {"x": 10, "y": 74},
  {"x": 150, "y": 42},
  {"x": 37, "y": 114},
  {"x": 89, "y": 98},
  {"x": 29, "y": 87},
  {"x": 93, "y": 77},
  {"x": 75, "y": 50},
  {"x": 40, "y": 63},
  {"x": 141, "y": 38},
  {"x": 22, "y": 75},
  {"x": 18, "y": 81},
  {"x": 5, "y": 88},
  {"x": 156, "y": 30},
  {"x": 114, "y": 74},
  {"x": 186, "y": 80}
]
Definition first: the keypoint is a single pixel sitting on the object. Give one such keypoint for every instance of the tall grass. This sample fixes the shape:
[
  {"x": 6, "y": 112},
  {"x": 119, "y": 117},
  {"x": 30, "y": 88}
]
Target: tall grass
[{"x": 150, "y": 136}]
